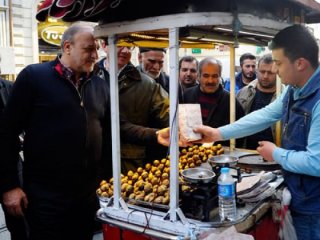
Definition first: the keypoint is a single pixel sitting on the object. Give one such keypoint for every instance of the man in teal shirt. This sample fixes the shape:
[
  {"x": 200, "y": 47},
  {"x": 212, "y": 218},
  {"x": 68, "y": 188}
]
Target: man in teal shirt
[{"x": 295, "y": 55}]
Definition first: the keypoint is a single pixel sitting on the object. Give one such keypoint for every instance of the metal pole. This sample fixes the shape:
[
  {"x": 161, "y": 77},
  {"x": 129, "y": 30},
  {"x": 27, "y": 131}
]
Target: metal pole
[
  {"x": 12, "y": 76},
  {"x": 115, "y": 129},
  {"x": 174, "y": 117},
  {"x": 232, "y": 92},
  {"x": 10, "y": 23},
  {"x": 278, "y": 124}
]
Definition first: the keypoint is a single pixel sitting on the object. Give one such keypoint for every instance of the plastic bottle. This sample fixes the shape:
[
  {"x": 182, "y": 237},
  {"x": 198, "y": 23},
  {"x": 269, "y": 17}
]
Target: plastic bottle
[{"x": 226, "y": 191}]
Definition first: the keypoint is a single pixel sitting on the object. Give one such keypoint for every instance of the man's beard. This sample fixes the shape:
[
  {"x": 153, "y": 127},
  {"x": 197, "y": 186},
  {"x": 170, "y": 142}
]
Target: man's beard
[
  {"x": 153, "y": 76},
  {"x": 250, "y": 78}
]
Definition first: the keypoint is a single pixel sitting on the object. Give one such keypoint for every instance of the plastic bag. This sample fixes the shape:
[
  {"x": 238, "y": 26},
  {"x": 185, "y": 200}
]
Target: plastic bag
[
  {"x": 287, "y": 231},
  {"x": 227, "y": 234}
]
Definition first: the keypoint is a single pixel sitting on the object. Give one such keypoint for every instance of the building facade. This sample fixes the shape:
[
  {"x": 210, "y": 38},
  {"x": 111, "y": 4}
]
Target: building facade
[{"x": 18, "y": 35}]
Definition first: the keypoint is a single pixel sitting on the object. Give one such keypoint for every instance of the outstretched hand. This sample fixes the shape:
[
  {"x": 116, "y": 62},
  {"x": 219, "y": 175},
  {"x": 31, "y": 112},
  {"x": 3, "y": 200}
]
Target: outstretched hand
[
  {"x": 163, "y": 137},
  {"x": 209, "y": 134}
]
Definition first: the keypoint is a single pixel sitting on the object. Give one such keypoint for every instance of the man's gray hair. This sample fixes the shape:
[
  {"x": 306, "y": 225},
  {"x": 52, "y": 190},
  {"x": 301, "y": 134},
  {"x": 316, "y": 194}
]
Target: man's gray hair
[
  {"x": 211, "y": 60},
  {"x": 75, "y": 28}
]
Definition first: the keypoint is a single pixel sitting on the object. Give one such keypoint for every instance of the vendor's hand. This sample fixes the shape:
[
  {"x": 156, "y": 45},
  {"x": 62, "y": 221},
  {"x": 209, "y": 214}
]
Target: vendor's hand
[
  {"x": 15, "y": 201},
  {"x": 266, "y": 149},
  {"x": 209, "y": 134}
]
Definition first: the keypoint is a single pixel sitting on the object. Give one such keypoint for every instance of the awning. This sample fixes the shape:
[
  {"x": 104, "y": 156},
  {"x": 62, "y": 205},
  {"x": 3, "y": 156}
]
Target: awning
[
  {"x": 122, "y": 10},
  {"x": 252, "y": 21},
  {"x": 71, "y": 10}
]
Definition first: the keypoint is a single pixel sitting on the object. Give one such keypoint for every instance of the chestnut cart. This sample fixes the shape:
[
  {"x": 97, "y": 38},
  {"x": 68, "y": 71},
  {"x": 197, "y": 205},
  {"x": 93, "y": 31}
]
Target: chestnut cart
[{"x": 175, "y": 24}]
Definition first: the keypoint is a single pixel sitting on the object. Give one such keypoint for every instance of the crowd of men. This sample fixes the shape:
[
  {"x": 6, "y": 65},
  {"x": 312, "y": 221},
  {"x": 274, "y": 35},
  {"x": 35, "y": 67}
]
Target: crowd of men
[{"x": 62, "y": 109}]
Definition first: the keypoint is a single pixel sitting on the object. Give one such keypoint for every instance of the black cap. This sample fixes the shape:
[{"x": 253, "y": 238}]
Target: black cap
[{"x": 142, "y": 49}]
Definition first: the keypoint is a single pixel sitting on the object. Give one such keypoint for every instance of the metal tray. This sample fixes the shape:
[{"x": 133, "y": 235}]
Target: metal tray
[
  {"x": 105, "y": 200},
  {"x": 223, "y": 160},
  {"x": 256, "y": 162},
  {"x": 151, "y": 205},
  {"x": 197, "y": 175}
]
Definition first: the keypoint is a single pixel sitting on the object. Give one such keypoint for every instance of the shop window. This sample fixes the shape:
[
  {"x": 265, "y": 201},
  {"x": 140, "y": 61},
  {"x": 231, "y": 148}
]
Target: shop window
[{"x": 4, "y": 23}]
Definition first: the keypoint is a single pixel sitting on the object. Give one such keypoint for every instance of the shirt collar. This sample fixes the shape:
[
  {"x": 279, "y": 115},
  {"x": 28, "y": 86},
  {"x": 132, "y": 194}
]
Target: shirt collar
[
  {"x": 299, "y": 92},
  {"x": 66, "y": 72}
]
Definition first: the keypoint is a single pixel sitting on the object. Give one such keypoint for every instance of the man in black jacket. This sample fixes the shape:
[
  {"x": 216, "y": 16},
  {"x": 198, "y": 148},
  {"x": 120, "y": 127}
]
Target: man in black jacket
[
  {"x": 64, "y": 113},
  {"x": 213, "y": 99},
  {"x": 15, "y": 225}
]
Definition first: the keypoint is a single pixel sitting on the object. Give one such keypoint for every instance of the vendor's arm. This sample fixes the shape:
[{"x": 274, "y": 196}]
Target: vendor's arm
[
  {"x": 255, "y": 121},
  {"x": 247, "y": 125},
  {"x": 303, "y": 162}
]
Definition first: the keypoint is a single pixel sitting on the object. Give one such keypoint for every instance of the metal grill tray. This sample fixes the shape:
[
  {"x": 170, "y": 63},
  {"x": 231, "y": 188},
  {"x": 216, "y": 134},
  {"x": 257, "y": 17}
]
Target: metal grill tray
[{"x": 255, "y": 161}]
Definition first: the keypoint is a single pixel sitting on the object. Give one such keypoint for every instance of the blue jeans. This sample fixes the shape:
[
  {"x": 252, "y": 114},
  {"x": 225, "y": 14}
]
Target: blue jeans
[{"x": 307, "y": 226}]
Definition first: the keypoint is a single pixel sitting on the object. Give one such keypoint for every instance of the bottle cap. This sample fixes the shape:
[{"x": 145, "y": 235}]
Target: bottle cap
[{"x": 224, "y": 170}]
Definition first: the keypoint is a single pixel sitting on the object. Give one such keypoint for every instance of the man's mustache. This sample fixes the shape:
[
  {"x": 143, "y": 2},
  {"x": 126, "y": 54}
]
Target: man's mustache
[{"x": 211, "y": 84}]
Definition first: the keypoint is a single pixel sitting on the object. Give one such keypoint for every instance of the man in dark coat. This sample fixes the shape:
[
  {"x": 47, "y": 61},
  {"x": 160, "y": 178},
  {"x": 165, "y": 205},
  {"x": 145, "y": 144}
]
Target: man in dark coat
[
  {"x": 213, "y": 99},
  {"x": 15, "y": 225},
  {"x": 142, "y": 102},
  {"x": 63, "y": 111}
]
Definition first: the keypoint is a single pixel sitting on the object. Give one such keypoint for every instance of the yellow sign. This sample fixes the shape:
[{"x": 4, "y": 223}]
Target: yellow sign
[{"x": 53, "y": 34}]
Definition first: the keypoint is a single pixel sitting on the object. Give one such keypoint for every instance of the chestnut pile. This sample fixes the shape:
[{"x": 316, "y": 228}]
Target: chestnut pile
[{"x": 151, "y": 183}]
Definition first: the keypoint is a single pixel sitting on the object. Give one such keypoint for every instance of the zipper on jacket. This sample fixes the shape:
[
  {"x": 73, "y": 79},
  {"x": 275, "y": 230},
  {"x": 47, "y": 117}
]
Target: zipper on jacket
[
  {"x": 81, "y": 94},
  {"x": 306, "y": 115},
  {"x": 284, "y": 128}
]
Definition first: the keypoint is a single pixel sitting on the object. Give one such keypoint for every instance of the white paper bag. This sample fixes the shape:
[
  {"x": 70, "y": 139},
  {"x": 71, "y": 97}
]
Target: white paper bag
[{"x": 189, "y": 117}]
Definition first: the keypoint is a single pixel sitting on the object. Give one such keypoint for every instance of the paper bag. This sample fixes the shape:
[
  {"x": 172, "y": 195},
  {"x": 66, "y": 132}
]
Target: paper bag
[{"x": 189, "y": 117}]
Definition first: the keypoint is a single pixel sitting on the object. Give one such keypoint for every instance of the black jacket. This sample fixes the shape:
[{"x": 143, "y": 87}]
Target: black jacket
[
  {"x": 220, "y": 114},
  {"x": 5, "y": 90},
  {"x": 67, "y": 132}
]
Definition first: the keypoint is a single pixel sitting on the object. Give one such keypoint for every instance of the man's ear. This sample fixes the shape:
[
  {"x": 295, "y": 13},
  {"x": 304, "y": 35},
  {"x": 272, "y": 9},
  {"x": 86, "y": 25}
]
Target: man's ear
[
  {"x": 67, "y": 47},
  {"x": 103, "y": 44},
  {"x": 302, "y": 64},
  {"x": 139, "y": 57}
]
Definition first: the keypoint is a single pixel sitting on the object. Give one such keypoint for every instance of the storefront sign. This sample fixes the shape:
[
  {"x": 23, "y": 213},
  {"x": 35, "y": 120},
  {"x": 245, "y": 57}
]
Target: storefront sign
[
  {"x": 53, "y": 34},
  {"x": 196, "y": 50}
]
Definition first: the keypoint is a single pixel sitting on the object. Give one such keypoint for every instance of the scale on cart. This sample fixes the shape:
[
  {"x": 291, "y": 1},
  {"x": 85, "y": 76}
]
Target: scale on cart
[{"x": 201, "y": 196}]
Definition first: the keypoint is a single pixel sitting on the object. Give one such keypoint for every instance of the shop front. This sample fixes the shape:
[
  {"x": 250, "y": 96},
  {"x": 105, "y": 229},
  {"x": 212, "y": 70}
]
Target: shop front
[{"x": 49, "y": 35}]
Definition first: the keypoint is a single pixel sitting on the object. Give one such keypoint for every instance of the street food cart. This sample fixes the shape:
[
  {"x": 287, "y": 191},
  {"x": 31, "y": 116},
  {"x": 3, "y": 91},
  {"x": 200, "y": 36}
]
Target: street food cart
[{"x": 175, "y": 24}]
